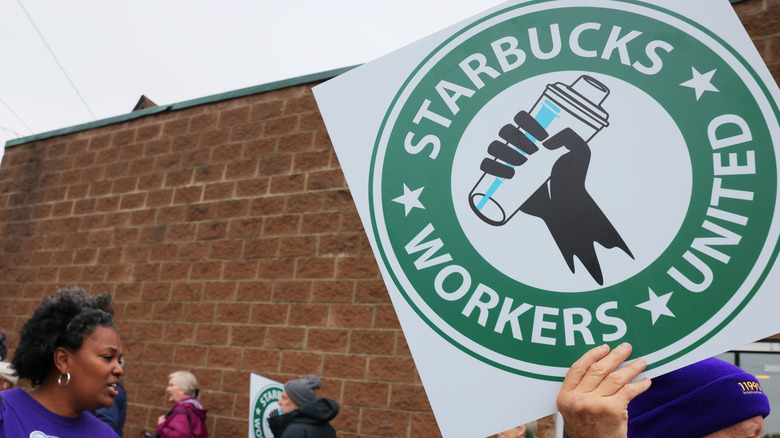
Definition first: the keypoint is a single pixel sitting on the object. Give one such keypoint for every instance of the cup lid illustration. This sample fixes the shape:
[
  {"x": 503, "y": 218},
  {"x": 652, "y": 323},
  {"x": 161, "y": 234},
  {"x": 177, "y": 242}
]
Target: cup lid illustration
[{"x": 584, "y": 97}]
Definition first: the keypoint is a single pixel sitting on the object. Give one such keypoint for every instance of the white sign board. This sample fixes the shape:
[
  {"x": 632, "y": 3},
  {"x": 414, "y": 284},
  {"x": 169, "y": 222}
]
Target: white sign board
[
  {"x": 553, "y": 175},
  {"x": 264, "y": 397}
]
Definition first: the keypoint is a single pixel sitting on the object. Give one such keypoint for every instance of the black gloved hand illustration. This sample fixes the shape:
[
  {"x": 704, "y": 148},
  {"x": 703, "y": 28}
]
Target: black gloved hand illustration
[
  {"x": 574, "y": 219},
  {"x": 512, "y": 135}
]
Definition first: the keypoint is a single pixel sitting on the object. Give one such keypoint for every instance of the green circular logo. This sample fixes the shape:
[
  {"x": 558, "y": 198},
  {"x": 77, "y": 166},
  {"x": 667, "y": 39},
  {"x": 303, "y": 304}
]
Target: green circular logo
[
  {"x": 266, "y": 402},
  {"x": 561, "y": 174}
]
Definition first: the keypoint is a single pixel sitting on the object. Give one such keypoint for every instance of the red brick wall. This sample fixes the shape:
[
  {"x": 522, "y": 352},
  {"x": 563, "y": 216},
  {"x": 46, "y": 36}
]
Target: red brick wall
[
  {"x": 229, "y": 241},
  {"x": 762, "y": 22},
  {"x": 231, "y": 245}
]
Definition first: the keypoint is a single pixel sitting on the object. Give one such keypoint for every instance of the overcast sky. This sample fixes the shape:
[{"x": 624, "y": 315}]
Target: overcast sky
[{"x": 176, "y": 50}]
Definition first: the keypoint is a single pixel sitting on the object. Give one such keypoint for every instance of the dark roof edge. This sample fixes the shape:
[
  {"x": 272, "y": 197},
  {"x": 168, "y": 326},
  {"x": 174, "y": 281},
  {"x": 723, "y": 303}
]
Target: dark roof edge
[{"x": 257, "y": 89}]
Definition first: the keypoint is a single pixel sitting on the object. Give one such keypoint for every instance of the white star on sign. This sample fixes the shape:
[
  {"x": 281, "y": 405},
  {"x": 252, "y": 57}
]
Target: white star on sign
[
  {"x": 657, "y": 305},
  {"x": 700, "y": 82},
  {"x": 410, "y": 199}
]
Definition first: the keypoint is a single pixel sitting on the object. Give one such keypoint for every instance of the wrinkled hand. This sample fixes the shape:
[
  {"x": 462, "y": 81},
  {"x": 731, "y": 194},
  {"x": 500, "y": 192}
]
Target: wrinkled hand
[
  {"x": 595, "y": 394},
  {"x": 160, "y": 420}
]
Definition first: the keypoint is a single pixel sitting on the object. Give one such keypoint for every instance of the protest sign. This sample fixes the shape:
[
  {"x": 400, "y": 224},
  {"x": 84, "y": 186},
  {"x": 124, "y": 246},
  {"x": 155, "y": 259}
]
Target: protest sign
[
  {"x": 264, "y": 397},
  {"x": 553, "y": 175}
]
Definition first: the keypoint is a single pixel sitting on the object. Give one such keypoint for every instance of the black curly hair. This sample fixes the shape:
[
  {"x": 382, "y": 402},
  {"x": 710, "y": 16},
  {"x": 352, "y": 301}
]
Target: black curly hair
[{"x": 61, "y": 320}]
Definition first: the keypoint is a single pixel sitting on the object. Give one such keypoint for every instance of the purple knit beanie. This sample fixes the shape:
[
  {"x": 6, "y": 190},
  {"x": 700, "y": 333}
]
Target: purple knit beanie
[{"x": 695, "y": 401}]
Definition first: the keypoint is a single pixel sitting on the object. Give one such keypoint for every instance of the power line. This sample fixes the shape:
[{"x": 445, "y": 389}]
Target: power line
[
  {"x": 10, "y": 131},
  {"x": 56, "y": 60},
  {"x": 8, "y": 107}
]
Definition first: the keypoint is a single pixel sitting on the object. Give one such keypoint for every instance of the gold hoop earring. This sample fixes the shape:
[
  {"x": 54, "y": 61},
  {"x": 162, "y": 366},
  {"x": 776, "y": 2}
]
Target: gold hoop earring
[{"x": 67, "y": 379}]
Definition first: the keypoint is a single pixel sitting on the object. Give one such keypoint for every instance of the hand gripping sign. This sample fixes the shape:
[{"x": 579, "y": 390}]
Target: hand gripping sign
[{"x": 556, "y": 174}]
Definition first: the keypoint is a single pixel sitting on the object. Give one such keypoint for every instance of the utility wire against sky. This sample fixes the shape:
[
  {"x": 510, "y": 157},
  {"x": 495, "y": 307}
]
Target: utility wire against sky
[
  {"x": 10, "y": 131},
  {"x": 8, "y": 107},
  {"x": 56, "y": 60}
]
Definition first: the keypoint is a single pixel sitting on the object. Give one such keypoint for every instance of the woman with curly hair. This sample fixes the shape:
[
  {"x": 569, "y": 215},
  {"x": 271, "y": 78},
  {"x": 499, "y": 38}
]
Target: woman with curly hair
[{"x": 70, "y": 351}]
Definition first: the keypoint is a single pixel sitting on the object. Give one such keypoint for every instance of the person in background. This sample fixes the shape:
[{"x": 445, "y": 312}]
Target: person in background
[
  {"x": 115, "y": 415},
  {"x": 303, "y": 415},
  {"x": 8, "y": 377},
  {"x": 187, "y": 418},
  {"x": 3, "y": 345},
  {"x": 711, "y": 399},
  {"x": 527, "y": 430},
  {"x": 69, "y": 350}
]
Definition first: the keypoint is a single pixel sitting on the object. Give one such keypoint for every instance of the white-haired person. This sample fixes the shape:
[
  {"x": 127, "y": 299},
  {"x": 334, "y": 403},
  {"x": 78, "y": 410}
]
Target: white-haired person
[{"x": 187, "y": 418}]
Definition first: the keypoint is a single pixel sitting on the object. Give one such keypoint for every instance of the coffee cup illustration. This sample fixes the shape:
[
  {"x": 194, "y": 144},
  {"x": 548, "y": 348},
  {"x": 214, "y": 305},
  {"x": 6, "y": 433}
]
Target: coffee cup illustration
[{"x": 496, "y": 198}]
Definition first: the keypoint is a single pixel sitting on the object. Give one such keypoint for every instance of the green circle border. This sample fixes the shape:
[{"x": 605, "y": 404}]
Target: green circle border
[
  {"x": 265, "y": 389},
  {"x": 759, "y": 281}
]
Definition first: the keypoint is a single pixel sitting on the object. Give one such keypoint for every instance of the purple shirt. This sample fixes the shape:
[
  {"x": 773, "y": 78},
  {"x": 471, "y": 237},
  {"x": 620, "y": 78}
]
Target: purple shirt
[{"x": 22, "y": 416}]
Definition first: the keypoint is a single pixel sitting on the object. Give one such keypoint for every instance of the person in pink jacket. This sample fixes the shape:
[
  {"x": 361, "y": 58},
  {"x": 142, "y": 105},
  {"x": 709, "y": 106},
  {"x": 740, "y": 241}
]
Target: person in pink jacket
[{"x": 187, "y": 418}]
